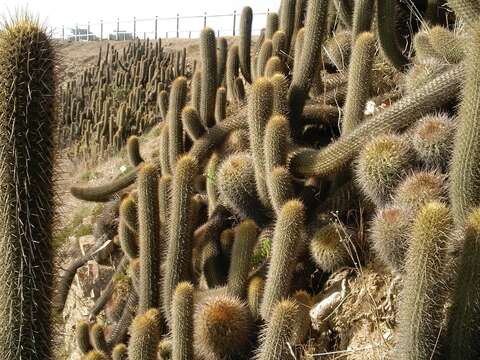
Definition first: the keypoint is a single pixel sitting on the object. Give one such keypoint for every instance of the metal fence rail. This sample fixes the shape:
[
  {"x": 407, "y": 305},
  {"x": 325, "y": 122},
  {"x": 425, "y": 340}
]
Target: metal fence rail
[{"x": 154, "y": 28}]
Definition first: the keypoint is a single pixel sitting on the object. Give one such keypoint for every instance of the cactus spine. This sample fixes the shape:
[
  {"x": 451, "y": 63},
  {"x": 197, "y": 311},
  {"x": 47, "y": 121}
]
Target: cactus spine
[
  {"x": 27, "y": 141},
  {"x": 182, "y": 322},
  {"x": 149, "y": 238},
  {"x": 381, "y": 165}
]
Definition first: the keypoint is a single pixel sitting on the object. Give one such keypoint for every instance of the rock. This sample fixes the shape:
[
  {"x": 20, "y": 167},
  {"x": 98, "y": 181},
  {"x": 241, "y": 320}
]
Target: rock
[{"x": 85, "y": 243}]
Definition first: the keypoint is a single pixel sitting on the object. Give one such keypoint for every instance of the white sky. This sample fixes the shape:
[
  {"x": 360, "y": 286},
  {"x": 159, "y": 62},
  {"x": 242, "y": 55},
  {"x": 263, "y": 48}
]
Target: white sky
[{"x": 56, "y": 13}]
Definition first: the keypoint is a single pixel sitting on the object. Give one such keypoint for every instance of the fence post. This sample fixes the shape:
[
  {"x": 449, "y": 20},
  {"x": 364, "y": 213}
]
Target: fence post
[
  {"x": 134, "y": 27},
  {"x": 205, "y": 20},
  {"x": 234, "y": 21},
  {"x": 178, "y": 26},
  {"x": 118, "y": 29},
  {"x": 63, "y": 32},
  {"x": 166, "y": 34},
  {"x": 101, "y": 30},
  {"x": 76, "y": 32},
  {"x": 156, "y": 27},
  {"x": 88, "y": 31}
]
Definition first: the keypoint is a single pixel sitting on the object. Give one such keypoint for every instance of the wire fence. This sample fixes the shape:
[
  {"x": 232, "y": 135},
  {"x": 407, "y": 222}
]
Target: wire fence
[{"x": 159, "y": 27}]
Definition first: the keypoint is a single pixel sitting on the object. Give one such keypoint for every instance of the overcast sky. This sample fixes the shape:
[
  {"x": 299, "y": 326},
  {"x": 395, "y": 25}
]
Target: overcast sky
[{"x": 56, "y": 13}]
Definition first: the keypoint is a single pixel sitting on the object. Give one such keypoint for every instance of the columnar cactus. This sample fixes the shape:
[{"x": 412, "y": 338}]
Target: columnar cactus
[
  {"x": 400, "y": 115},
  {"x": 279, "y": 331},
  {"x": 260, "y": 109},
  {"x": 180, "y": 235},
  {"x": 464, "y": 313},
  {"x": 28, "y": 125},
  {"x": 149, "y": 238},
  {"x": 222, "y": 328},
  {"x": 359, "y": 81},
  {"x": 82, "y": 334},
  {"x": 209, "y": 77},
  {"x": 145, "y": 335},
  {"x": 468, "y": 10},
  {"x": 232, "y": 71},
  {"x": 272, "y": 25},
  {"x": 422, "y": 296},
  {"x": 222, "y": 51},
  {"x": 303, "y": 74},
  {"x": 245, "y": 240},
  {"x": 465, "y": 169},
  {"x": 178, "y": 96},
  {"x": 386, "y": 13},
  {"x": 245, "y": 42},
  {"x": 362, "y": 16},
  {"x": 381, "y": 166},
  {"x": 289, "y": 233},
  {"x": 182, "y": 322}
]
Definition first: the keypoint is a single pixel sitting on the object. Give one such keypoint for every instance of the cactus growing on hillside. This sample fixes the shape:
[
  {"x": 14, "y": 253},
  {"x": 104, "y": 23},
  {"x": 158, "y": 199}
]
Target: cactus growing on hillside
[
  {"x": 279, "y": 332},
  {"x": 182, "y": 322},
  {"x": 28, "y": 125},
  {"x": 422, "y": 297},
  {"x": 464, "y": 313},
  {"x": 273, "y": 143},
  {"x": 288, "y": 235},
  {"x": 315, "y": 24},
  {"x": 245, "y": 239},
  {"x": 209, "y": 77},
  {"x": 222, "y": 328},
  {"x": 145, "y": 335},
  {"x": 149, "y": 238},
  {"x": 400, "y": 115},
  {"x": 180, "y": 232},
  {"x": 465, "y": 170}
]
